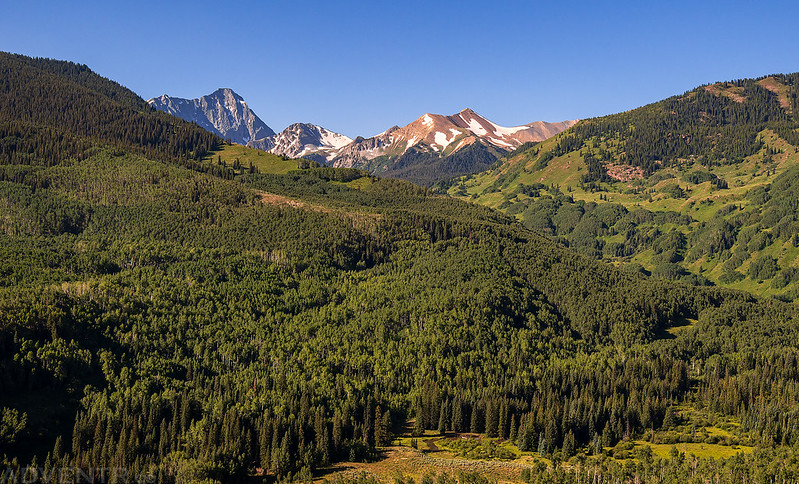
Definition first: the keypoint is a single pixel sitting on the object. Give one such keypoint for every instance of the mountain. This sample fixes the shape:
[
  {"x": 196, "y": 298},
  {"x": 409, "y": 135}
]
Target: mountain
[
  {"x": 446, "y": 135},
  {"x": 699, "y": 187},
  {"x": 436, "y": 146},
  {"x": 304, "y": 140},
  {"x": 432, "y": 148},
  {"x": 223, "y": 112},
  {"x": 226, "y": 114}
]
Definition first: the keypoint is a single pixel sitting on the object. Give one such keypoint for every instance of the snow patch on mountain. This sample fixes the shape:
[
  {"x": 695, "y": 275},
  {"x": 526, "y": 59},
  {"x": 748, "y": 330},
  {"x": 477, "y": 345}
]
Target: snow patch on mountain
[
  {"x": 335, "y": 140},
  {"x": 476, "y": 128},
  {"x": 503, "y": 131},
  {"x": 441, "y": 138}
]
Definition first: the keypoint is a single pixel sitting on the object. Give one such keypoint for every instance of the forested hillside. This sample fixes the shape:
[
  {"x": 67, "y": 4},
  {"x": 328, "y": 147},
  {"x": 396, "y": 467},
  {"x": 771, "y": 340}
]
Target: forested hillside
[
  {"x": 697, "y": 187},
  {"x": 55, "y": 111},
  {"x": 226, "y": 325}
]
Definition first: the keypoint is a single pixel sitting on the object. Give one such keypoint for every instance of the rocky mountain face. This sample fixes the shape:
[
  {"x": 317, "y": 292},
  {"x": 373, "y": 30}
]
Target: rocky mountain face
[
  {"x": 304, "y": 140},
  {"x": 222, "y": 112},
  {"x": 443, "y": 136},
  {"x": 225, "y": 113}
]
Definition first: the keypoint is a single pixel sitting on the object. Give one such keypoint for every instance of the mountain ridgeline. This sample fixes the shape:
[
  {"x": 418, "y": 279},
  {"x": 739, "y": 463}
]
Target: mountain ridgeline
[
  {"x": 711, "y": 125},
  {"x": 698, "y": 187},
  {"x": 436, "y": 147},
  {"x": 197, "y": 325},
  {"x": 432, "y": 148}
]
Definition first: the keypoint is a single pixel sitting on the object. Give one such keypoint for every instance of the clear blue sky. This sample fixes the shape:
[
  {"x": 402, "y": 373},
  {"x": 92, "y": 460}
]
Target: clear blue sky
[{"x": 359, "y": 67}]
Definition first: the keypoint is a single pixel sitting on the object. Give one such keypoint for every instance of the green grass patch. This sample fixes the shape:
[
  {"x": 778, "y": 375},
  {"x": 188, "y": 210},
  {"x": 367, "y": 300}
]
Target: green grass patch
[
  {"x": 479, "y": 448},
  {"x": 716, "y": 451},
  {"x": 234, "y": 155}
]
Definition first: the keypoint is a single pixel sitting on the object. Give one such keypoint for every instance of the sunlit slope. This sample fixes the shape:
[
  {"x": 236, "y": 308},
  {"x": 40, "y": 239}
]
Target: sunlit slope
[{"x": 701, "y": 163}]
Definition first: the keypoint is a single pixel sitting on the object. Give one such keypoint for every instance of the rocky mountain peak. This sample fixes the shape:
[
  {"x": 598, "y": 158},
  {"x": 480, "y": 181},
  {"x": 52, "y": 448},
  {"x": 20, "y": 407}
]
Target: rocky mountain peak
[
  {"x": 305, "y": 140},
  {"x": 222, "y": 112}
]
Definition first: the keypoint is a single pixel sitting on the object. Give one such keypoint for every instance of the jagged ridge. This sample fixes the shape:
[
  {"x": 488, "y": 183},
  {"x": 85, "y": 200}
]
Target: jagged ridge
[
  {"x": 222, "y": 112},
  {"x": 431, "y": 148}
]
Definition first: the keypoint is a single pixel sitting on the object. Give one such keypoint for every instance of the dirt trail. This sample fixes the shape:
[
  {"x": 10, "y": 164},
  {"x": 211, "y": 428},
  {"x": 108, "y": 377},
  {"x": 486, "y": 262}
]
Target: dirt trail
[
  {"x": 272, "y": 199},
  {"x": 431, "y": 444}
]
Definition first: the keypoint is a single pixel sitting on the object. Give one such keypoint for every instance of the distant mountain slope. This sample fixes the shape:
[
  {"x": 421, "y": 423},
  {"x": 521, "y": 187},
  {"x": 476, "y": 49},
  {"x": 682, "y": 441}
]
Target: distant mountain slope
[
  {"x": 693, "y": 187},
  {"x": 447, "y": 134},
  {"x": 82, "y": 75},
  {"x": 434, "y": 146},
  {"x": 222, "y": 112},
  {"x": 713, "y": 124}
]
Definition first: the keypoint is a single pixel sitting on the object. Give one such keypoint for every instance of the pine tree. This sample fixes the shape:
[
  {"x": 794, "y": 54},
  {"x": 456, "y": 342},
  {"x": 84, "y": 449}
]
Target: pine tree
[
  {"x": 58, "y": 449},
  {"x": 669, "y": 420},
  {"x": 492, "y": 418},
  {"x": 386, "y": 428},
  {"x": 418, "y": 426},
  {"x": 569, "y": 445},
  {"x": 550, "y": 435},
  {"x": 338, "y": 434},
  {"x": 380, "y": 429},
  {"x": 596, "y": 442},
  {"x": 607, "y": 436},
  {"x": 502, "y": 424},
  {"x": 457, "y": 415},
  {"x": 474, "y": 425},
  {"x": 263, "y": 445},
  {"x": 368, "y": 425},
  {"x": 513, "y": 433}
]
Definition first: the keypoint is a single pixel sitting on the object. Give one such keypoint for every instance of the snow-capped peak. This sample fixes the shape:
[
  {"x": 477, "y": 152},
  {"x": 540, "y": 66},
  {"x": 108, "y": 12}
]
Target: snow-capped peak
[
  {"x": 440, "y": 136},
  {"x": 304, "y": 140}
]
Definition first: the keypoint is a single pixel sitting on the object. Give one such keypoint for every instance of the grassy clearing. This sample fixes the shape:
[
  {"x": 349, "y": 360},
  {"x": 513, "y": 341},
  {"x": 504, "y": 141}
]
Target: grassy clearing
[
  {"x": 360, "y": 183},
  {"x": 681, "y": 325},
  {"x": 432, "y": 454},
  {"x": 698, "y": 432},
  {"x": 243, "y": 156},
  {"x": 397, "y": 463},
  {"x": 565, "y": 172},
  {"x": 698, "y": 449}
]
